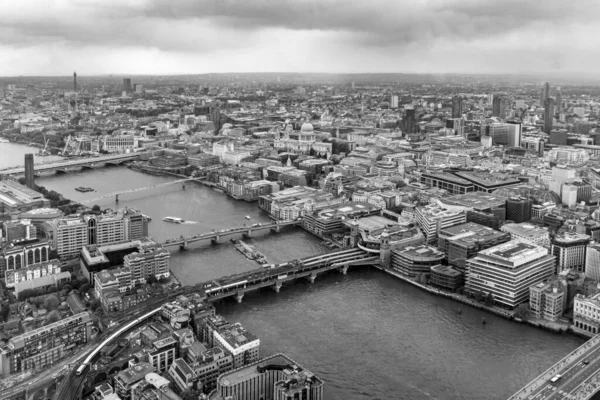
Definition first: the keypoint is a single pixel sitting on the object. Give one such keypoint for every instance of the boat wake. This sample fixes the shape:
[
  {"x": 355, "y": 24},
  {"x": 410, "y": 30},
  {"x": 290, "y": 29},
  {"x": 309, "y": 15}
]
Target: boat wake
[{"x": 189, "y": 222}]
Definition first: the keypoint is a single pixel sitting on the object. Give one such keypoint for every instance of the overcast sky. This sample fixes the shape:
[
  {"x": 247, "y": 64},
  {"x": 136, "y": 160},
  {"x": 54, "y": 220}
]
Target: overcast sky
[{"x": 56, "y": 37}]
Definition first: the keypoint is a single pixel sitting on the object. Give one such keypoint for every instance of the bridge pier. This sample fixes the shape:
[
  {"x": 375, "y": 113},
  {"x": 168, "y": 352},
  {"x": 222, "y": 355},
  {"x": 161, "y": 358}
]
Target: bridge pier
[
  {"x": 184, "y": 246},
  {"x": 116, "y": 198},
  {"x": 277, "y": 286},
  {"x": 344, "y": 269},
  {"x": 312, "y": 277},
  {"x": 247, "y": 234},
  {"x": 216, "y": 240},
  {"x": 239, "y": 296},
  {"x": 276, "y": 228}
]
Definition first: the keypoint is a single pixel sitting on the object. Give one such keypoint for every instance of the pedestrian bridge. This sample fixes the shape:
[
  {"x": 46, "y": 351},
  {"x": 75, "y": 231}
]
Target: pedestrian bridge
[
  {"x": 69, "y": 165},
  {"x": 276, "y": 275},
  {"x": 575, "y": 377},
  {"x": 216, "y": 236}
]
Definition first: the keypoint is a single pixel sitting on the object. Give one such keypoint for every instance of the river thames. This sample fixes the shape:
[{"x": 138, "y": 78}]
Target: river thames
[{"x": 368, "y": 335}]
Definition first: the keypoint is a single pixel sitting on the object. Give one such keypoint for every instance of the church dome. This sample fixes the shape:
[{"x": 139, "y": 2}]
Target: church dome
[{"x": 307, "y": 128}]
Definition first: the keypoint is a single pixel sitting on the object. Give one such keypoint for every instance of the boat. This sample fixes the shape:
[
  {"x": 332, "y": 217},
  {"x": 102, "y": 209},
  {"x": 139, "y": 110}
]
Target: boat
[
  {"x": 84, "y": 189},
  {"x": 174, "y": 220},
  {"x": 248, "y": 217},
  {"x": 4, "y": 140}
]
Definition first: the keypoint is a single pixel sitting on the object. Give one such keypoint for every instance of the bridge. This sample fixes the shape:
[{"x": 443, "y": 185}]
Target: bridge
[
  {"x": 215, "y": 237},
  {"x": 117, "y": 194},
  {"x": 70, "y": 165},
  {"x": 275, "y": 276},
  {"x": 578, "y": 376}
]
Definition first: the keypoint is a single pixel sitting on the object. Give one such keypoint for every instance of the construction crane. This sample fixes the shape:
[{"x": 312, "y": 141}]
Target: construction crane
[
  {"x": 64, "y": 152},
  {"x": 44, "y": 151}
]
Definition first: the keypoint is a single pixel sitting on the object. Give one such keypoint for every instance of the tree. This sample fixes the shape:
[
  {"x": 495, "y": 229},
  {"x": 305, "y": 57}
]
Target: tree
[
  {"x": 52, "y": 317},
  {"x": 489, "y": 299},
  {"x": 151, "y": 279},
  {"x": 423, "y": 279},
  {"x": 96, "y": 208},
  {"x": 51, "y": 302},
  {"x": 84, "y": 288},
  {"x": 95, "y": 304}
]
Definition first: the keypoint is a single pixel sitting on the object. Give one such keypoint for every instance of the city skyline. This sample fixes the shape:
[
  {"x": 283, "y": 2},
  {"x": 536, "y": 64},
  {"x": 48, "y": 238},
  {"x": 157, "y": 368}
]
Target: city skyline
[{"x": 190, "y": 37}]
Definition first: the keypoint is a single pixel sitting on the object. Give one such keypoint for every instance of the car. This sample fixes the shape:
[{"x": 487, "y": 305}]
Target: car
[{"x": 586, "y": 362}]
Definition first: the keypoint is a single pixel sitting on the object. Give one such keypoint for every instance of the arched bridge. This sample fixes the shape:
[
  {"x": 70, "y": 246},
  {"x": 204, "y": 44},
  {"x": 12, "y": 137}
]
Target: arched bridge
[
  {"x": 216, "y": 236},
  {"x": 67, "y": 165}
]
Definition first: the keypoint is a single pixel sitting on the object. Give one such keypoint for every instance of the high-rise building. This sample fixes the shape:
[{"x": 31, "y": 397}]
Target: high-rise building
[
  {"x": 503, "y": 133},
  {"x": 458, "y": 124},
  {"x": 30, "y": 92},
  {"x": 499, "y": 107},
  {"x": 74, "y": 81},
  {"x": 139, "y": 88},
  {"x": 409, "y": 124},
  {"x": 569, "y": 249},
  {"x": 127, "y": 85},
  {"x": 558, "y": 101},
  {"x": 545, "y": 93},
  {"x": 276, "y": 377},
  {"x": 507, "y": 271},
  {"x": 592, "y": 262},
  {"x": 518, "y": 209},
  {"x": 150, "y": 259},
  {"x": 239, "y": 342},
  {"x": 548, "y": 115},
  {"x": 394, "y": 101},
  {"x": 432, "y": 218},
  {"x": 546, "y": 300},
  {"x": 457, "y": 107},
  {"x": 29, "y": 171}
]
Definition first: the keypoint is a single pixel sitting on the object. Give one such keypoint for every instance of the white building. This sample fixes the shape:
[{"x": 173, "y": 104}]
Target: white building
[
  {"x": 586, "y": 313},
  {"x": 592, "y": 262},
  {"x": 507, "y": 271},
  {"x": 433, "y": 217},
  {"x": 528, "y": 233}
]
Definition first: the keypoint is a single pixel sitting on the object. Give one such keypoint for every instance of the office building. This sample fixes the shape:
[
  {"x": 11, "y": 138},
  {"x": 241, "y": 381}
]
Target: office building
[
  {"x": 546, "y": 300},
  {"x": 239, "y": 342},
  {"x": 128, "y": 378},
  {"x": 499, "y": 107},
  {"x": 149, "y": 259},
  {"x": 40, "y": 348},
  {"x": 75, "y": 81},
  {"x": 592, "y": 262},
  {"x": 127, "y": 85},
  {"x": 504, "y": 134},
  {"x": 558, "y": 101},
  {"x": 528, "y": 233},
  {"x": 457, "y": 107},
  {"x": 409, "y": 124},
  {"x": 518, "y": 209},
  {"x": 163, "y": 353},
  {"x": 507, "y": 271},
  {"x": 19, "y": 231},
  {"x": 414, "y": 260},
  {"x": 276, "y": 377},
  {"x": 545, "y": 93},
  {"x": 29, "y": 171},
  {"x": 153, "y": 387},
  {"x": 30, "y": 92},
  {"x": 206, "y": 365},
  {"x": 17, "y": 259},
  {"x": 548, "y": 115},
  {"x": 393, "y": 101},
  {"x": 569, "y": 249},
  {"x": 446, "y": 277},
  {"x": 463, "y": 241},
  {"x": 449, "y": 182},
  {"x": 16, "y": 199},
  {"x": 433, "y": 217},
  {"x": 586, "y": 313}
]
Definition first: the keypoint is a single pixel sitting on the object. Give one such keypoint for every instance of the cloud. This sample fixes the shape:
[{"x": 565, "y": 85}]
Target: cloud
[{"x": 300, "y": 35}]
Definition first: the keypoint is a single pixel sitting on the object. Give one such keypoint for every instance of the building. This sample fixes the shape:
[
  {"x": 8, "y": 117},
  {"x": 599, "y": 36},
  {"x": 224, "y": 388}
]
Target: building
[
  {"x": 29, "y": 171},
  {"x": 16, "y": 259},
  {"x": 163, "y": 353},
  {"x": 463, "y": 241},
  {"x": 586, "y": 313},
  {"x": 42, "y": 347},
  {"x": 546, "y": 300},
  {"x": 453, "y": 184},
  {"x": 507, "y": 271},
  {"x": 503, "y": 133},
  {"x": 393, "y": 101},
  {"x": 19, "y": 231},
  {"x": 433, "y": 217},
  {"x": 499, "y": 107},
  {"x": 545, "y": 93},
  {"x": 528, "y": 233},
  {"x": 518, "y": 209},
  {"x": 239, "y": 342},
  {"x": 592, "y": 262},
  {"x": 569, "y": 249},
  {"x": 276, "y": 377},
  {"x": 548, "y": 115},
  {"x": 446, "y": 277},
  {"x": 127, "y": 85},
  {"x": 414, "y": 260},
  {"x": 149, "y": 259},
  {"x": 16, "y": 198},
  {"x": 457, "y": 107},
  {"x": 126, "y": 379}
]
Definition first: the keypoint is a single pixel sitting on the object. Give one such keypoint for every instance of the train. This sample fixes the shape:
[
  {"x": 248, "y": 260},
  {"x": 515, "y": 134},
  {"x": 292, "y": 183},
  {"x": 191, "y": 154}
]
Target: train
[{"x": 88, "y": 360}]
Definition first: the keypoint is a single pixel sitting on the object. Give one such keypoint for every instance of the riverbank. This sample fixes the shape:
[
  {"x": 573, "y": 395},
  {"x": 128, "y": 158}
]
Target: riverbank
[{"x": 555, "y": 327}]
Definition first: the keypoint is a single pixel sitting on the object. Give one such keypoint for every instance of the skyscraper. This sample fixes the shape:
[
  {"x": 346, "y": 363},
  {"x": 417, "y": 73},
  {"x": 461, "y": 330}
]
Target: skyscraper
[
  {"x": 29, "y": 177},
  {"x": 74, "y": 81},
  {"x": 518, "y": 209},
  {"x": 545, "y": 93},
  {"x": 558, "y": 101},
  {"x": 30, "y": 92},
  {"x": 499, "y": 107},
  {"x": 127, "y": 85},
  {"x": 409, "y": 125},
  {"x": 548, "y": 114},
  {"x": 394, "y": 101},
  {"x": 457, "y": 107}
]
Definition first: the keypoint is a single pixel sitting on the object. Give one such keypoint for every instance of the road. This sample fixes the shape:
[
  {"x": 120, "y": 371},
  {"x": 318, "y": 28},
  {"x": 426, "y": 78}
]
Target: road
[{"x": 573, "y": 376}]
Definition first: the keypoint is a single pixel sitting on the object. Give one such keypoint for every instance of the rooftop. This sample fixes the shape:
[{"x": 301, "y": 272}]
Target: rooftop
[
  {"x": 526, "y": 230},
  {"x": 479, "y": 201},
  {"x": 515, "y": 252}
]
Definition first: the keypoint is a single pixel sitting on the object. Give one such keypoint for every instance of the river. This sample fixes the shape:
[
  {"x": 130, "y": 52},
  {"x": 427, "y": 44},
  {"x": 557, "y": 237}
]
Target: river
[
  {"x": 13, "y": 155},
  {"x": 366, "y": 334}
]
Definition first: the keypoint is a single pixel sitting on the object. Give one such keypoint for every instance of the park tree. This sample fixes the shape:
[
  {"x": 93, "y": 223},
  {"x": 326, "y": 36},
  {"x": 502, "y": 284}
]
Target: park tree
[
  {"x": 151, "y": 279},
  {"x": 51, "y": 303},
  {"x": 84, "y": 288},
  {"x": 52, "y": 317},
  {"x": 95, "y": 304},
  {"x": 96, "y": 208}
]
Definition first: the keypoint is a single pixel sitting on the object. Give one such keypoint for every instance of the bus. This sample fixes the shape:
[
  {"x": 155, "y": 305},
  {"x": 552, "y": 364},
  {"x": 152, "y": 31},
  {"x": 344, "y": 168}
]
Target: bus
[{"x": 556, "y": 378}]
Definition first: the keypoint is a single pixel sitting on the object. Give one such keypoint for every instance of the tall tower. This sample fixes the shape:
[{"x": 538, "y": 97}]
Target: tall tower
[
  {"x": 457, "y": 107},
  {"x": 74, "y": 81},
  {"x": 548, "y": 115},
  {"x": 545, "y": 93},
  {"x": 29, "y": 177}
]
